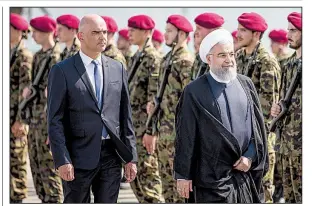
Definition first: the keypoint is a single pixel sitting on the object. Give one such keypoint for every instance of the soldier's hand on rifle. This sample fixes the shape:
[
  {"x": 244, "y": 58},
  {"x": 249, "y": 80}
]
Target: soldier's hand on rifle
[
  {"x": 19, "y": 129},
  {"x": 46, "y": 92},
  {"x": 184, "y": 187},
  {"x": 130, "y": 171},
  {"x": 26, "y": 92},
  {"x": 149, "y": 142},
  {"x": 66, "y": 172},
  {"x": 47, "y": 141},
  {"x": 275, "y": 110},
  {"x": 149, "y": 107}
]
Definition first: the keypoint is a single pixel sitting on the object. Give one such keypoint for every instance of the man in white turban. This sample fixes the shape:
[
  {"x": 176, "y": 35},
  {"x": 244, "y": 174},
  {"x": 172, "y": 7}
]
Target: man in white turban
[{"x": 220, "y": 148}]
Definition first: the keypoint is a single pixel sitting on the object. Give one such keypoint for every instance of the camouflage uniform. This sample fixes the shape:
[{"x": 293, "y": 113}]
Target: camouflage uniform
[
  {"x": 46, "y": 180},
  {"x": 20, "y": 78},
  {"x": 73, "y": 50},
  {"x": 289, "y": 146},
  {"x": 197, "y": 63},
  {"x": 180, "y": 76},
  {"x": 147, "y": 185},
  {"x": 128, "y": 55},
  {"x": 113, "y": 52},
  {"x": 266, "y": 77}
]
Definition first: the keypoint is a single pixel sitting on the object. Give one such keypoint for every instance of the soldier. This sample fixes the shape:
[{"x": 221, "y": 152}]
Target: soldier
[
  {"x": 46, "y": 180},
  {"x": 124, "y": 45},
  {"x": 67, "y": 29},
  {"x": 289, "y": 145},
  {"x": 205, "y": 23},
  {"x": 279, "y": 44},
  {"x": 264, "y": 71},
  {"x": 234, "y": 35},
  {"x": 111, "y": 49},
  {"x": 147, "y": 186},
  {"x": 158, "y": 39},
  {"x": 177, "y": 30},
  {"x": 20, "y": 68}
]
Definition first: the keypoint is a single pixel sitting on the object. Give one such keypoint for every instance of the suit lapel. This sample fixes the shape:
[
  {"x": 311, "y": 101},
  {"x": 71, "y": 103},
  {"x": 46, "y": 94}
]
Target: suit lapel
[
  {"x": 84, "y": 75},
  {"x": 105, "y": 80}
]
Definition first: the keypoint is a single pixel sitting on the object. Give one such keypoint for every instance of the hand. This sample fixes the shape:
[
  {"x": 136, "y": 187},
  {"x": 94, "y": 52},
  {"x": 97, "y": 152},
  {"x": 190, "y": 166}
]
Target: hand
[
  {"x": 275, "y": 110},
  {"x": 130, "y": 171},
  {"x": 19, "y": 129},
  {"x": 149, "y": 142},
  {"x": 149, "y": 107},
  {"x": 46, "y": 92},
  {"x": 184, "y": 187},
  {"x": 47, "y": 141},
  {"x": 67, "y": 172},
  {"x": 26, "y": 92},
  {"x": 243, "y": 164}
]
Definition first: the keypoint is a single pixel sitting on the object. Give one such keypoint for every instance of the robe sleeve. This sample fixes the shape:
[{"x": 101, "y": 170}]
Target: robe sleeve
[{"x": 186, "y": 128}]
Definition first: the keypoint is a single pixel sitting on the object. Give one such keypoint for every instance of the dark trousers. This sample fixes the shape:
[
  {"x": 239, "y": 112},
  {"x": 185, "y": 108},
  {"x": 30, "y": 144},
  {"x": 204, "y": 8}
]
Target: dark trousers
[{"x": 104, "y": 179}]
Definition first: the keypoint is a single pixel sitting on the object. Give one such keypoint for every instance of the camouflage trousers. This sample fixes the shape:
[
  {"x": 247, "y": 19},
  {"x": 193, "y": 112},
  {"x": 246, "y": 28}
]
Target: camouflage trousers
[
  {"x": 147, "y": 185},
  {"x": 289, "y": 168},
  {"x": 47, "y": 183},
  {"x": 268, "y": 179},
  {"x": 18, "y": 168},
  {"x": 165, "y": 155}
]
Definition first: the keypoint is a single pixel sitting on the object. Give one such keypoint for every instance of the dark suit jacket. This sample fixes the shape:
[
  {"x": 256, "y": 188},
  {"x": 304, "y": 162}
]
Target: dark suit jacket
[{"x": 75, "y": 121}]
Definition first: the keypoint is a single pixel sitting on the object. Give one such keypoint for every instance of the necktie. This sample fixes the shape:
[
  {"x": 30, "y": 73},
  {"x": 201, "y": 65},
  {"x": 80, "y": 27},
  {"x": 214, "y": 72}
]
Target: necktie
[{"x": 98, "y": 93}]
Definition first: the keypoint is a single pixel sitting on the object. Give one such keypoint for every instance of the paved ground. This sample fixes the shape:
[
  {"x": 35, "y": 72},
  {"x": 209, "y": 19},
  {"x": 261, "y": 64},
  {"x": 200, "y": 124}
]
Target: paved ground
[{"x": 125, "y": 195}]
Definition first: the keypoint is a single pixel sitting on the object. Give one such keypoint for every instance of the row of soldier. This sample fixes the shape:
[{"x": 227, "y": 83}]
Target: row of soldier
[{"x": 155, "y": 144}]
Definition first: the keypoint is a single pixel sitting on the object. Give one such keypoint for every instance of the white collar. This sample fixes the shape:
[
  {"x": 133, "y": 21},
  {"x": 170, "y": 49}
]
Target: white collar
[
  {"x": 87, "y": 60},
  {"x": 217, "y": 78}
]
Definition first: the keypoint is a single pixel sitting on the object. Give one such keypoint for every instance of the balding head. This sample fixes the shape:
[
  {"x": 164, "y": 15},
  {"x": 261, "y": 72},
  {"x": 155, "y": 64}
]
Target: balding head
[{"x": 92, "y": 34}]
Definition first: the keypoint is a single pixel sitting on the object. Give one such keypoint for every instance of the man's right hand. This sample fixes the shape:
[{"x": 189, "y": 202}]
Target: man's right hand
[
  {"x": 149, "y": 142},
  {"x": 26, "y": 92},
  {"x": 67, "y": 172},
  {"x": 275, "y": 110},
  {"x": 184, "y": 188}
]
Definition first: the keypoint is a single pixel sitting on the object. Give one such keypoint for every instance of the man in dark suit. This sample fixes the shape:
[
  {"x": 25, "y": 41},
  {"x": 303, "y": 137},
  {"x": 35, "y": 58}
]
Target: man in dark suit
[{"x": 89, "y": 119}]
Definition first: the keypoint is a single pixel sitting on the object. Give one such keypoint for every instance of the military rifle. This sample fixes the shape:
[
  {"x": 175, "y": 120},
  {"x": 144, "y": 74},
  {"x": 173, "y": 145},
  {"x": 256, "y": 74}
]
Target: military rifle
[
  {"x": 137, "y": 61},
  {"x": 248, "y": 72},
  {"x": 14, "y": 54},
  {"x": 160, "y": 94},
  {"x": 35, "y": 84},
  {"x": 285, "y": 103}
]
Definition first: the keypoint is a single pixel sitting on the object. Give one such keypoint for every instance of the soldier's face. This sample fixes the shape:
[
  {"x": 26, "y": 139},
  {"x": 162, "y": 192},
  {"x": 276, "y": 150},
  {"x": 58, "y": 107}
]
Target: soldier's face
[
  {"x": 197, "y": 42},
  {"x": 294, "y": 36},
  {"x": 122, "y": 43},
  {"x": 244, "y": 36},
  {"x": 221, "y": 60},
  {"x": 274, "y": 47},
  {"x": 40, "y": 37},
  {"x": 15, "y": 34},
  {"x": 136, "y": 36},
  {"x": 94, "y": 36},
  {"x": 65, "y": 34},
  {"x": 156, "y": 44},
  {"x": 201, "y": 32},
  {"x": 170, "y": 34}
]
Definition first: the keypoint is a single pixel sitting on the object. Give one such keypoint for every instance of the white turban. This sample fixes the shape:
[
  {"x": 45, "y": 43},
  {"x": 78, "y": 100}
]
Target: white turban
[{"x": 212, "y": 39}]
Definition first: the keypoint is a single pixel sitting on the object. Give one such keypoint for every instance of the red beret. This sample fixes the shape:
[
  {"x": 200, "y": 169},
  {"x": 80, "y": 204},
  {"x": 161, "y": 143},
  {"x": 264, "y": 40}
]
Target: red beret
[
  {"x": 279, "y": 36},
  {"x": 141, "y": 22},
  {"x": 124, "y": 33},
  {"x": 234, "y": 34},
  {"x": 253, "y": 22},
  {"x": 180, "y": 22},
  {"x": 43, "y": 24},
  {"x": 68, "y": 20},
  {"x": 158, "y": 36},
  {"x": 111, "y": 24},
  {"x": 295, "y": 19},
  {"x": 18, "y": 22},
  {"x": 209, "y": 20}
]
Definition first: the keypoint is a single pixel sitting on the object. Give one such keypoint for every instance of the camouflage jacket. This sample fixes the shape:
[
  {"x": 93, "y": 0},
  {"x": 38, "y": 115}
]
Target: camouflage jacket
[
  {"x": 265, "y": 74},
  {"x": 41, "y": 100},
  {"x": 182, "y": 61},
  {"x": 113, "y": 52},
  {"x": 290, "y": 142},
  {"x": 196, "y": 65},
  {"x": 19, "y": 79},
  {"x": 73, "y": 50},
  {"x": 143, "y": 87},
  {"x": 128, "y": 55}
]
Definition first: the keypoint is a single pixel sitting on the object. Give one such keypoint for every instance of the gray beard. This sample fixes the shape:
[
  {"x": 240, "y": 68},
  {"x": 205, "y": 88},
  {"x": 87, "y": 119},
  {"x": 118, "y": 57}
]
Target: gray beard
[{"x": 225, "y": 74}]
